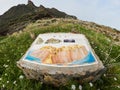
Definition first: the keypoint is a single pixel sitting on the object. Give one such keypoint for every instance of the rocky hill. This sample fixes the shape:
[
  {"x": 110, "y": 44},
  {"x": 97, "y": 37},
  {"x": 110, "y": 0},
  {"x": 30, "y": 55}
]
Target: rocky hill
[{"x": 17, "y": 17}]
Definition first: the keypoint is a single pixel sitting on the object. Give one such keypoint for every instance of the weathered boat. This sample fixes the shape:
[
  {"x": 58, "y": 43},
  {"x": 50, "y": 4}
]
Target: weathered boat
[{"x": 56, "y": 58}]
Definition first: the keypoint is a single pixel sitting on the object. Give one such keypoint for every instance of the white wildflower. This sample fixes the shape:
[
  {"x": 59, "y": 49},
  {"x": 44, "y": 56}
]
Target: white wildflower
[
  {"x": 80, "y": 87},
  {"x": 5, "y": 74},
  {"x": 14, "y": 82},
  {"x": 7, "y": 81},
  {"x": 108, "y": 40},
  {"x": 115, "y": 78},
  {"x": 8, "y": 60},
  {"x": 104, "y": 75},
  {"x": 21, "y": 77},
  {"x": 6, "y": 66},
  {"x": 91, "y": 85},
  {"x": 98, "y": 89},
  {"x": 114, "y": 60},
  {"x": 3, "y": 85},
  {"x": 118, "y": 86},
  {"x": 73, "y": 87},
  {"x": 21, "y": 53}
]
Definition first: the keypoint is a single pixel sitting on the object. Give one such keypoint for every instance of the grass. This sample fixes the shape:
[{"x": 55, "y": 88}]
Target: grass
[{"x": 13, "y": 47}]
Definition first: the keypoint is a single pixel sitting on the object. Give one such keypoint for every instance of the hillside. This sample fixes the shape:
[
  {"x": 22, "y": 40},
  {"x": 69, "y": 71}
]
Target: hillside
[
  {"x": 17, "y": 17},
  {"x": 13, "y": 47}
]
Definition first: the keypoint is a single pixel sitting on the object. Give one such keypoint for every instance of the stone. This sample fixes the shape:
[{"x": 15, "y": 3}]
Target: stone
[{"x": 61, "y": 74}]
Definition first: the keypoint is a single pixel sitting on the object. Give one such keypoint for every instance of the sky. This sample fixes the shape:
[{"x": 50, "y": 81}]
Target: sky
[{"x": 104, "y": 12}]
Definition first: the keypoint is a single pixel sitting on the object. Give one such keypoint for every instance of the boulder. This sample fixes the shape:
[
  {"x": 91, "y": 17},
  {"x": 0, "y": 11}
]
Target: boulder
[{"x": 81, "y": 66}]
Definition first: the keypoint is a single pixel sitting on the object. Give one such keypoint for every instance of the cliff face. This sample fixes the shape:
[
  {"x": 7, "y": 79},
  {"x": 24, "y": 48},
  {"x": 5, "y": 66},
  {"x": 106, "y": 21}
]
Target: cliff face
[{"x": 31, "y": 4}]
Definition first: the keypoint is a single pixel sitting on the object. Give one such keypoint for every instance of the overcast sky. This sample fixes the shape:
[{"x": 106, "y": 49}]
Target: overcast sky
[{"x": 105, "y": 12}]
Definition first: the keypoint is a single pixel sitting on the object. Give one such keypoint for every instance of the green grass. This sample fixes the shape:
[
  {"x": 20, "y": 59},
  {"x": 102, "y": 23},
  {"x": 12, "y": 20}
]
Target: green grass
[
  {"x": 2, "y": 37},
  {"x": 13, "y": 47}
]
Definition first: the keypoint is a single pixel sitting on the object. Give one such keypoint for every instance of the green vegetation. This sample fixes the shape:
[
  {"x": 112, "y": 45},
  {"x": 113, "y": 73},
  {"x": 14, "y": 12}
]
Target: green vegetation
[{"x": 13, "y": 47}]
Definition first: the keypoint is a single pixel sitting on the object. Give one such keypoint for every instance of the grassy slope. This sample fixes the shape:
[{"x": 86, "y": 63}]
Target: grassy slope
[{"x": 14, "y": 46}]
